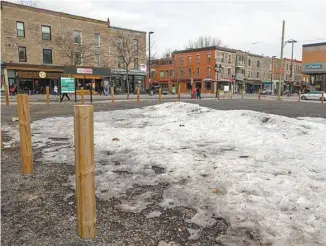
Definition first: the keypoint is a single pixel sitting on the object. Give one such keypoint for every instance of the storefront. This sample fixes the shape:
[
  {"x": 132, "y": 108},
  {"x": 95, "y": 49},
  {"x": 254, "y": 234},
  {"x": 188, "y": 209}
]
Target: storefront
[
  {"x": 136, "y": 78},
  {"x": 253, "y": 86},
  {"x": 226, "y": 81}
]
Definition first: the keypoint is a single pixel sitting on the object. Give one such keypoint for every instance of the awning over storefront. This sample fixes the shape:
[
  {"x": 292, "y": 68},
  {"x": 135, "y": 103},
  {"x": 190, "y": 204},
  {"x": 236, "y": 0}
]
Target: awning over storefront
[
  {"x": 253, "y": 82},
  {"x": 86, "y": 72}
]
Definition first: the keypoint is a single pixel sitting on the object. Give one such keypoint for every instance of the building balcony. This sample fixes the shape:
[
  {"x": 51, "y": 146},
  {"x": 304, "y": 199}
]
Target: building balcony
[
  {"x": 239, "y": 76},
  {"x": 239, "y": 64}
]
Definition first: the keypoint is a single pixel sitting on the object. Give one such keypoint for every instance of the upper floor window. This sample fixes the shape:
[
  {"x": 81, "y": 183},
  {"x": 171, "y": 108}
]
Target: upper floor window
[
  {"x": 208, "y": 58},
  {"x": 120, "y": 62},
  {"x": 20, "y": 29},
  {"x": 189, "y": 59},
  {"x": 249, "y": 62},
  {"x": 22, "y": 54},
  {"x": 162, "y": 74},
  {"x": 181, "y": 71},
  {"x": 47, "y": 56},
  {"x": 198, "y": 71},
  {"x": 97, "y": 37},
  {"x": 230, "y": 59},
  {"x": 46, "y": 32},
  {"x": 208, "y": 71},
  {"x": 78, "y": 58},
  {"x": 189, "y": 71},
  {"x": 77, "y": 37},
  {"x": 258, "y": 64},
  {"x": 120, "y": 42},
  {"x": 257, "y": 75},
  {"x": 222, "y": 57},
  {"x": 135, "y": 45},
  {"x": 198, "y": 58},
  {"x": 136, "y": 63},
  {"x": 171, "y": 73},
  {"x": 249, "y": 74},
  {"x": 181, "y": 60},
  {"x": 97, "y": 59},
  {"x": 229, "y": 72}
]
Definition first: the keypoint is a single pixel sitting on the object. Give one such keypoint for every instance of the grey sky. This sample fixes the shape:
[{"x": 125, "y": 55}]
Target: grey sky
[{"x": 253, "y": 26}]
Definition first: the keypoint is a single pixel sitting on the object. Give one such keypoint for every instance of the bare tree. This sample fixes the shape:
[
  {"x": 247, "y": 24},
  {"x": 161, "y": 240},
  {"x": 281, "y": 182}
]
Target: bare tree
[
  {"x": 73, "y": 50},
  {"x": 167, "y": 53},
  {"x": 31, "y": 3},
  {"x": 203, "y": 42},
  {"x": 127, "y": 47}
]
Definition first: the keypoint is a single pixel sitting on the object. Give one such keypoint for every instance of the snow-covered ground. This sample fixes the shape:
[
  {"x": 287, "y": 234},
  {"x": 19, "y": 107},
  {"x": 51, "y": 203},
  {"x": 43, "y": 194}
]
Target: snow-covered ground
[{"x": 260, "y": 171}]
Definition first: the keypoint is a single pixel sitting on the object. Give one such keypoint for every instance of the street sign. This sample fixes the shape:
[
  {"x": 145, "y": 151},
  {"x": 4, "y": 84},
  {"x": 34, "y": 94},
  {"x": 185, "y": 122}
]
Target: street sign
[
  {"x": 67, "y": 85},
  {"x": 314, "y": 66}
]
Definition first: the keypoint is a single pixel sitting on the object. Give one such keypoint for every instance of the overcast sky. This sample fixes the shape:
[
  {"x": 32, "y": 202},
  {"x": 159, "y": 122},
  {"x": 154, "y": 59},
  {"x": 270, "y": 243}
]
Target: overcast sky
[{"x": 253, "y": 26}]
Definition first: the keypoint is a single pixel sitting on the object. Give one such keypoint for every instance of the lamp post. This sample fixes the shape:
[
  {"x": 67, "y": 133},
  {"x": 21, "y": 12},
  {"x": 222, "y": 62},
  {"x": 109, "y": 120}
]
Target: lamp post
[
  {"x": 149, "y": 58},
  {"x": 272, "y": 74},
  {"x": 291, "y": 41},
  {"x": 218, "y": 69}
]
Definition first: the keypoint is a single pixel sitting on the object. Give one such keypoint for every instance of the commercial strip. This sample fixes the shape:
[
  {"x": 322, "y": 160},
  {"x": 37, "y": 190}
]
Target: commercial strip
[{"x": 314, "y": 64}]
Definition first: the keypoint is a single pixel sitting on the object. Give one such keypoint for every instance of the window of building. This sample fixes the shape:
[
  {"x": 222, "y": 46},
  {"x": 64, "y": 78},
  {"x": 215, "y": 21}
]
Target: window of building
[
  {"x": 120, "y": 42},
  {"x": 78, "y": 58},
  {"x": 20, "y": 29},
  {"x": 257, "y": 75},
  {"x": 171, "y": 73},
  {"x": 249, "y": 62},
  {"x": 197, "y": 58},
  {"x": 249, "y": 74},
  {"x": 208, "y": 58},
  {"x": 230, "y": 59},
  {"x": 97, "y": 38},
  {"x": 120, "y": 62},
  {"x": 258, "y": 64},
  {"x": 22, "y": 54},
  {"x": 229, "y": 72},
  {"x": 46, "y": 32},
  {"x": 189, "y": 59},
  {"x": 135, "y": 45},
  {"x": 181, "y": 71},
  {"x": 164, "y": 85},
  {"x": 208, "y": 85},
  {"x": 97, "y": 59},
  {"x": 77, "y": 37},
  {"x": 287, "y": 67},
  {"x": 198, "y": 71},
  {"x": 47, "y": 56},
  {"x": 222, "y": 57},
  {"x": 189, "y": 71},
  {"x": 136, "y": 63},
  {"x": 161, "y": 74},
  {"x": 208, "y": 71},
  {"x": 181, "y": 60}
]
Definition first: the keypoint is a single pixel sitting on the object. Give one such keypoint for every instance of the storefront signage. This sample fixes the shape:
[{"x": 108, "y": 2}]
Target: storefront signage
[
  {"x": 67, "y": 85},
  {"x": 85, "y": 70},
  {"x": 42, "y": 74},
  {"x": 314, "y": 66}
]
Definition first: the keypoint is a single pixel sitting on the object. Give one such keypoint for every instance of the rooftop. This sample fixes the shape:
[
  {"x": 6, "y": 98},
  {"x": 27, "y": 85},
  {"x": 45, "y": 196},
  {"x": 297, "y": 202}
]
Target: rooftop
[{"x": 314, "y": 45}]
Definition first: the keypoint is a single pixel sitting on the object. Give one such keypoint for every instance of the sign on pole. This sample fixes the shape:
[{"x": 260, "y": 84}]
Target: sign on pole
[{"x": 67, "y": 85}]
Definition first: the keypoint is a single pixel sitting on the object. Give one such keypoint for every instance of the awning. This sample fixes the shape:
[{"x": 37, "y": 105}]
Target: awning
[{"x": 254, "y": 82}]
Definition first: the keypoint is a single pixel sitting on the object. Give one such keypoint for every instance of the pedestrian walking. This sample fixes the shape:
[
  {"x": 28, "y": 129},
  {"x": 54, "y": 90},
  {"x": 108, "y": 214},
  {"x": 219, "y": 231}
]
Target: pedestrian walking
[
  {"x": 55, "y": 90},
  {"x": 64, "y": 95},
  {"x": 173, "y": 90},
  {"x": 198, "y": 93}
]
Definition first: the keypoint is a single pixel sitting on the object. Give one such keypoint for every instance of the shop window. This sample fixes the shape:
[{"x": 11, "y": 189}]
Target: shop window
[
  {"x": 208, "y": 85},
  {"x": 46, "y": 32},
  {"x": 22, "y": 54},
  {"x": 189, "y": 86},
  {"x": 47, "y": 56},
  {"x": 164, "y": 85},
  {"x": 20, "y": 29}
]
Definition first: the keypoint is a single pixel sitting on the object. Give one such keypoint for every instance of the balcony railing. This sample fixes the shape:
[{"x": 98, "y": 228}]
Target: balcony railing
[
  {"x": 239, "y": 76},
  {"x": 240, "y": 63}
]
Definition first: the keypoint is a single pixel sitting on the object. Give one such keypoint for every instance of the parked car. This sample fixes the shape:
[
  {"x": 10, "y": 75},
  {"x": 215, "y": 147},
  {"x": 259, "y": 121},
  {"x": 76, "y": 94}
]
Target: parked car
[
  {"x": 313, "y": 95},
  {"x": 266, "y": 92}
]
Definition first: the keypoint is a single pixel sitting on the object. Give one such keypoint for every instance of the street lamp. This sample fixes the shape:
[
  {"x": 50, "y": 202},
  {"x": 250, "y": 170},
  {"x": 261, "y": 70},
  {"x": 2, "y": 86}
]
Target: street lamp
[
  {"x": 218, "y": 69},
  {"x": 291, "y": 41},
  {"x": 149, "y": 57},
  {"x": 272, "y": 74}
]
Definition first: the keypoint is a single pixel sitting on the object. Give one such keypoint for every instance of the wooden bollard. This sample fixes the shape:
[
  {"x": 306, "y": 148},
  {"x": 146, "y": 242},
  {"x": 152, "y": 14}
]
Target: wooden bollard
[
  {"x": 259, "y": 91},
  {"x": 47, "y": 90},
  {"x": 242, "y": 93},
  {"x": 84, "y": 168},
  {"x": 138, "y": 95},
  {"x": 112, "y": 95},
  {"x": 299, "y": 95},
  {"x": 7, "y": 94},
  {"x": 25, "y": 133},
  {"x": 160, "y": 95},
  {"x": 82, "y": 95}
]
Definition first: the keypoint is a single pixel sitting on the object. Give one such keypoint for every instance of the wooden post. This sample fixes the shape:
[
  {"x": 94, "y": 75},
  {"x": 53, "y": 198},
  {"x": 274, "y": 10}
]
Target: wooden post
[
  {"x": 47, "y": 89},
  {"x": 299, "y": 95},
  {"x": 218, "y": 94},
  {"x": 138, "y": 95},
  {"x": 6, "y": 94},
  {"x": 112, "y": 95},
  {"x": 82, "y": 95},
  {"x": 25, "y": 133},
  {"x": 84, "y": 168},
  {"x": 179, "y": 93},
  {"x": 160, "y": 95},
  {"x": 259, "y": 94}
]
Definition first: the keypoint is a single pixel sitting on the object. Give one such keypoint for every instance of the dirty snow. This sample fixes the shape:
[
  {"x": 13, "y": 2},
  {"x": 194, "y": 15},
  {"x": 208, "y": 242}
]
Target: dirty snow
[{"x": 260, "y": 171}]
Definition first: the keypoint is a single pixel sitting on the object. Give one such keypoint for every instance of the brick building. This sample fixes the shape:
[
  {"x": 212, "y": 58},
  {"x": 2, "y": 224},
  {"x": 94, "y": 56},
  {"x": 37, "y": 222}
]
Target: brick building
[
  {"x": 36, "y": 40},
  {"x": 314, "y": 64}
]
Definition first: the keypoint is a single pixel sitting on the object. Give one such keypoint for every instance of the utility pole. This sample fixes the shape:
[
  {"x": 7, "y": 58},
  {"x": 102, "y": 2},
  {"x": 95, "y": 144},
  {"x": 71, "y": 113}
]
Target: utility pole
[
  {"x": 272, "y": 75},
  {"x": 149, "y": 60},
  {"x": 292, "y": 41},
  {"x": 281, "y": 69}
]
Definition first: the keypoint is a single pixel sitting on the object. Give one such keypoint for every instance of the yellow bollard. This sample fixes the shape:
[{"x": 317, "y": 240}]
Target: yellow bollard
[
  {"x": 259, "y": 91},
  {"x": 82, "y": 95},
  {"x": 25, "y": 133},
  {"x": 160, "y": 95},
  {"x": 299, "y": 95},
  {"x": 47, "y": 90},
  {"x": 179, "y": 95},
  {"x": 84, "y": 168},
  {"x": 112, "y": 95},
  {"x": 7, "y": 94},
  {"x": 138, "y": 95}
]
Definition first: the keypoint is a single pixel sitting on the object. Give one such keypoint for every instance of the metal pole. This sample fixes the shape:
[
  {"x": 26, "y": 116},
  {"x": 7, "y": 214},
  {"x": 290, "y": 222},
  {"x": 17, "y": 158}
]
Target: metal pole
[
  {"x": 149, "y": 60},
  {"x": 281, "y": 69},
  {"x": 91, "y": 91},
  {"x": 272, "y": 75}
]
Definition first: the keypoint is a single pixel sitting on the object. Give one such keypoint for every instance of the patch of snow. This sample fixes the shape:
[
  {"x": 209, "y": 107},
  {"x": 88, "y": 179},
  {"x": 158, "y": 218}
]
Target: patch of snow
[
  {"x": 153, "y": 214},
  {"x": 263, "y": 172}
]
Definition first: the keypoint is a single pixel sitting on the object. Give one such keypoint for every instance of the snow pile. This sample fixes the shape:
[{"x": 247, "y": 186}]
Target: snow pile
[{"x": 263, "y": 172}]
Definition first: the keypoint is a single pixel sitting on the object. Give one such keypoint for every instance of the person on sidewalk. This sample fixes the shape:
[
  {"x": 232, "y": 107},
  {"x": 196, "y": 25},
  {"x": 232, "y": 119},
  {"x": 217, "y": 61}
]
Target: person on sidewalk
[
  {"x": 55, "y": 90},
  {"x": 198, "y": 93},
  {"x": 193, "y": 93},
  {"x": 173, "y": 90},
  {"x": 64, "y": 95}
]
